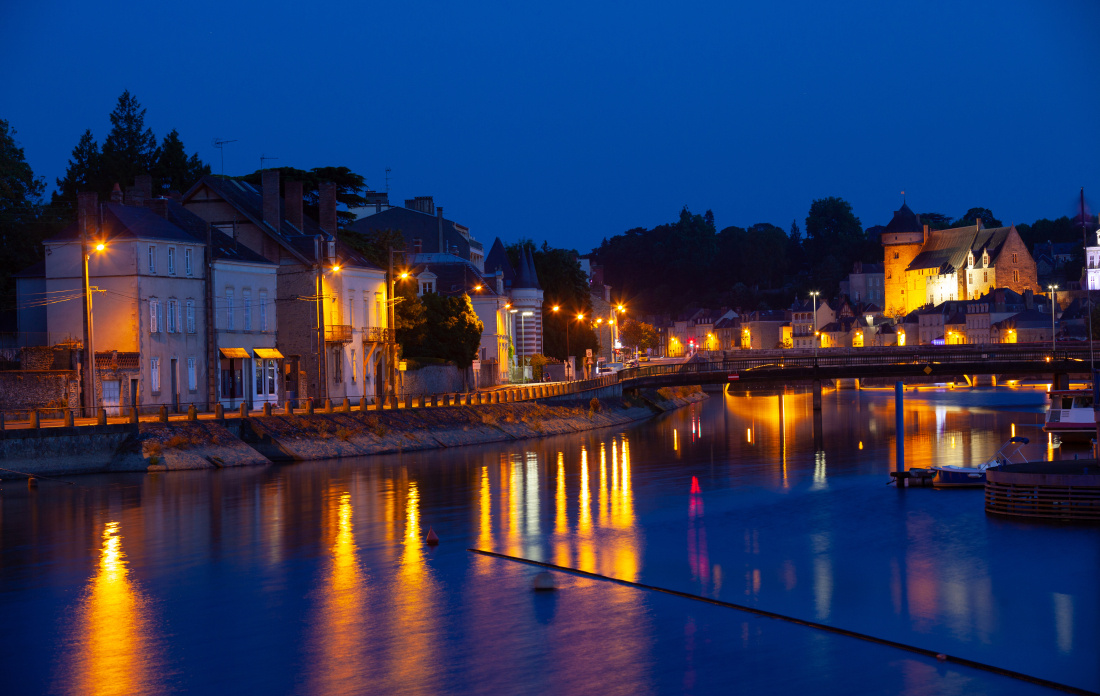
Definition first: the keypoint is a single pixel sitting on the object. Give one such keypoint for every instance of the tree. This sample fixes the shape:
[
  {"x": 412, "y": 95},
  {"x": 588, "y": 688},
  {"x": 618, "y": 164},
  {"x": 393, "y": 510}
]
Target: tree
[
  {"x": 935, "y": 221},
  {"x": 376, "y": 245},
  {"x": 835, "y": 239},
  {"x": 130, "y": 148},
  {"x": 410, "y": 328},
  {"x": 20, "y": 205},
  {"x": 974, "y": 214},
  {"x": 451, "y": 331},
  {"x": 83, "y": 173},
  {"x": 639, "y": 334},
  {"x": 173, "y": 170},
  {"x": 565, "y": 286}
]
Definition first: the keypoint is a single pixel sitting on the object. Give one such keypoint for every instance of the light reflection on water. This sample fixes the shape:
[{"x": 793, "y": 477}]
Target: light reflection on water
[{"x": 760, "y": 502}]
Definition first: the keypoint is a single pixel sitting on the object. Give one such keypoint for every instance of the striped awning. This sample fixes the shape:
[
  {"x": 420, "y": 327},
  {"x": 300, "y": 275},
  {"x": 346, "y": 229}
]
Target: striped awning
[
  {"x": 233, "y": 353},
  {"x": 268, "y": 353}
]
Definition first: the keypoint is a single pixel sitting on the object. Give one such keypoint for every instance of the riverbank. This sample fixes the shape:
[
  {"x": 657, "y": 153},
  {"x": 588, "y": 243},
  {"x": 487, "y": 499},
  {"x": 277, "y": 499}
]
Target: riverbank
[{"x": 254, "y": 441}]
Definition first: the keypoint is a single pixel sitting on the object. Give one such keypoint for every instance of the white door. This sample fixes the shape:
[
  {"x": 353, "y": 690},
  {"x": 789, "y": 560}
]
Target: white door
[{"x": 111, "y": 396}]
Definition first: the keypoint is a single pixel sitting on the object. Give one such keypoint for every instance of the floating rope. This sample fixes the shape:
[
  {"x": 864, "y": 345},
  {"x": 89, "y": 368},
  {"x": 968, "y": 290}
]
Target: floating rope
[{"x": 943, "y": 657}]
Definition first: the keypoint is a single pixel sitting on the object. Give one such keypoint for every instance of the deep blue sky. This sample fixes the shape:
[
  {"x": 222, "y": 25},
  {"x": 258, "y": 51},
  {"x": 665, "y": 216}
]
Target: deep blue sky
[{"x": 572, "y": 121}]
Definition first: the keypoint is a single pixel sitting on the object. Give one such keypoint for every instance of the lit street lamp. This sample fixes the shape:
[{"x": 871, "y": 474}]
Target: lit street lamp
[
  {"x": 1053, "y": 314},
  {"x": 90, "y": 402}
]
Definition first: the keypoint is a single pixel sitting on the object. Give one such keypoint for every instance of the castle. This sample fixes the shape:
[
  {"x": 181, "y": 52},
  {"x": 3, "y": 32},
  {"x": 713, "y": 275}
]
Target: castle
[{"x": 928, "y": 267}]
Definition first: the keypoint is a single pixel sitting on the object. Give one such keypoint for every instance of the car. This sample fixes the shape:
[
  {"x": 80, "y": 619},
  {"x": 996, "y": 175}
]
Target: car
[{"x": 643, "y": 358}]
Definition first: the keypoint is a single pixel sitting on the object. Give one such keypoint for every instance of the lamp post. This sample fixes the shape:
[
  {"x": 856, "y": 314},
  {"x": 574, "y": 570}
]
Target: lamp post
[
  {"x": 90, "y": 401},
  {"x": 391, "y": 345},
  {"x": 1053, "y": 314},
  {"x": 814, "y": 294}
]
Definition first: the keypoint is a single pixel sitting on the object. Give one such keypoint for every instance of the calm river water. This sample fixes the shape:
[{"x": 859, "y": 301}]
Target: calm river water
[{"x": 313, "y": 578}]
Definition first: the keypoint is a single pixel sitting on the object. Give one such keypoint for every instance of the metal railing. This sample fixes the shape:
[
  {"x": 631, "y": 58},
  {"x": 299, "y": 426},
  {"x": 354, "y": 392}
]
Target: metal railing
[
  {"x": 337, "y": 333},
  {"x": 377, "y": 334}
]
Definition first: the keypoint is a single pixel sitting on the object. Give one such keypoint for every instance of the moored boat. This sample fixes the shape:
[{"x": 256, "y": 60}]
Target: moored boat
[
  {"x": 1070, "y": 415},
  {"x": 951, "y": 476}
]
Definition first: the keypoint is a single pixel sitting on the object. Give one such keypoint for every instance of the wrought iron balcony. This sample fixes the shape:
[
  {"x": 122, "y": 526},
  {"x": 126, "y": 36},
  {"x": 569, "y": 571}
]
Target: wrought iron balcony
[
  {"x": 337, "y": 333},
  {"x": 376, "y": 334}
]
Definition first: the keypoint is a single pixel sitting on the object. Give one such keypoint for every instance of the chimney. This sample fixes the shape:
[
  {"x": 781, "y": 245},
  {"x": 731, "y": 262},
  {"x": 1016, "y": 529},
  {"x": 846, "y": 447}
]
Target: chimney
[
  {"x": 925, "y": 237},
  {"x": 978, "y": 222},
  {"x": 144, "y": 184},
  {"x": 116, "y": 194},
  {"x": 269, "y": 186},
  {"x": 328, "y": 207},
  {"x": 86, "y": 203},
  {"x": 424, "y": 204},
  {"x": 293, "y": 195},
  {"x": 439, "y": 219},
  {"x": 134, "y": 197},
  {"x": 158, "y": 206}
]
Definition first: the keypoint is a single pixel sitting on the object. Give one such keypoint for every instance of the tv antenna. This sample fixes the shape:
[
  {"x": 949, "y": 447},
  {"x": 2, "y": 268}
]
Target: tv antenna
[
  {"x": 220, "y": 144},
  {"x": 388, "y": 170},
  {"x": 264, "y": 158}
]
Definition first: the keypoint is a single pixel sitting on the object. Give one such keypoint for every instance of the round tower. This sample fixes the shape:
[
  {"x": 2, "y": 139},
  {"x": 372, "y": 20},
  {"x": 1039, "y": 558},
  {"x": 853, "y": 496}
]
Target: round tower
[{"x": 901, "y": 241}]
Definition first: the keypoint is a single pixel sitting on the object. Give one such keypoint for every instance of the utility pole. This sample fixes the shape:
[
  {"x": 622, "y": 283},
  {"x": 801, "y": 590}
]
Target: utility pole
[
  {"x": 1053, "y": 314},
  {"x": 87, "y": 208},
  {"x": 814, "y": 294},
  {"x": 391, "y": 339},
  {"x": 322, "y": 350}
]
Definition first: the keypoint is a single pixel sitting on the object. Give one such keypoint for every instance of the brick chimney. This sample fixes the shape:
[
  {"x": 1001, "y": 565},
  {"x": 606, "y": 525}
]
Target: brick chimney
[
  {"x": 86, "y": 203},
  {"x": 144, "y": 184},
  {"x": 328, "y": 207},
  {"x": 293, "y": 195},
  {"x": 270, "y": 189},
  {"x": 116, "y": 194},
  {"x": 978, "y": 222},
  {"x": 925, "y": 238}
]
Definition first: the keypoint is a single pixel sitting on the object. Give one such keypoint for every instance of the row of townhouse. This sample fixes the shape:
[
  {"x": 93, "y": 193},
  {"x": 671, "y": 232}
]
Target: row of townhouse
[{"x": 227, "y": 295}]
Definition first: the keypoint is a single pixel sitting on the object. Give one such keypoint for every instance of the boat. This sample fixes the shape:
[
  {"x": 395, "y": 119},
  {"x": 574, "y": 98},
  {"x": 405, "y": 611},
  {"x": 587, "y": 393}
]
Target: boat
[
  {"x": 1070, "y": 415},
  {"x": 951, "y": 476}
]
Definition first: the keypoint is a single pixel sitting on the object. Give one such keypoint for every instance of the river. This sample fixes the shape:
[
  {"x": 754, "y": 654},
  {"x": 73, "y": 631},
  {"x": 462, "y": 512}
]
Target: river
[{"x": 314, "y": 578}]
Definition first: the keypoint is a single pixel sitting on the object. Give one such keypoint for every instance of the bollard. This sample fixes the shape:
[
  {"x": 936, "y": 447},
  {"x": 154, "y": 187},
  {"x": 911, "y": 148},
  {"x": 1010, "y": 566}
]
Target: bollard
[
  {"x": 362, "y": 403},
  {"x": 328, "y": 405},
  {"x": 34, "y": 420},
  {"x": 287, "y": 408},
  {"x": 309, "y": 406},
  {"x": 346, "y": 406},
  {"x": 68, "y": 418},
  {"x": 267, "y": 408},
  {"x": 101, "y": 417},
  {"x": 219, "y": 412},
  {"x": 163, "y": 413},
  {"x": 899, "y": 430},
  {"x": 133, "y": 415},
  {"x": 244, "y": 410},
  {"x": 192, "y": 413}
]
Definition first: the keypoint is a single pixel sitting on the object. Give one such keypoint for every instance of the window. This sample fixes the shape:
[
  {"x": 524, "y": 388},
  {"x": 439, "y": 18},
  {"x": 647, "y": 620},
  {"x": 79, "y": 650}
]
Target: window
[
  {"x": 188, "y": 268},
  {"x": 152, "y": 259},
  {"x": 378, "y": 309},
  {"x": 1016, "y": 275},
  {"x": 263, "y": 310},
  {"x": 191, "y": 382},
  {"x": 154, "y": 315},
  {"x": 171, "y": 260},
  {"x": 271, "y": 375},
  {"x": 259, "y": 370},
  {"x": 354, "y": 367},
  {"x": 170, "y": 324},
  {"x": 154, "y": 374},
  {"x": 985, "y": 276},
  {"x": 366, "y": 309},
  {"x": 229, "y": 310},
  {"x": 896, "y": 255},
  {"x": 426, "y": 287},
  {"x": 246, "y": 298},
  {"x": 191, "y": 316},
  {"x": 337, "y": 366},
  {"x": 1014, "y": 258},
  {"x": 350, "y": 318}
]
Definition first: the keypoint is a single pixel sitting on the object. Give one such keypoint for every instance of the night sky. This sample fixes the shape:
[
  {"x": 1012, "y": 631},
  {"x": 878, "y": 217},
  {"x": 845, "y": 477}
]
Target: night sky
[{"x": 574, "y": 121}]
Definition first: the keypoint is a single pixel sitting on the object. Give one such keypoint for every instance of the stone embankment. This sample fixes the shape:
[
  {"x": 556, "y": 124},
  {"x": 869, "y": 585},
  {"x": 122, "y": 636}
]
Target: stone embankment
[{"x": 253, "y": 441}]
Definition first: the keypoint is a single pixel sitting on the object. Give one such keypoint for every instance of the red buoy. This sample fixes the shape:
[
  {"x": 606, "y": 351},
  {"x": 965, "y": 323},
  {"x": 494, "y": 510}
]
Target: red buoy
[
  {"x": 695, "y": 490},
  {"x": 432, "y": 539}
]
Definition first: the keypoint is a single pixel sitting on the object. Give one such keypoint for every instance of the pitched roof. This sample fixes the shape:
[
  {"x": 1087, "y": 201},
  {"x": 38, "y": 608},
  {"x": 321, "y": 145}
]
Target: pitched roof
[
  {"x": 249, "y": 200},
  {"x": 413, "y": 224},
  {"x": 121, "y": 222},
  {"x": 904, "y": 220},
  {"x": 454, "y": 279},
  {"x": 945, "y": 249},
  {"x": 525, "y": 274}
]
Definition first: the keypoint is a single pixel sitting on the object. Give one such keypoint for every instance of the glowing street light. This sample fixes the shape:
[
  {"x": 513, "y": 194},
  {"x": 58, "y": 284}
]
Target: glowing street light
[{"x": 100, "y": 247}]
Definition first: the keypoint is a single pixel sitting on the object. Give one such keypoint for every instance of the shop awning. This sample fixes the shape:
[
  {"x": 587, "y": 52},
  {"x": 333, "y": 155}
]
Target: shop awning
[
  {"x": 233, "y": 353},
  {"x": 268, "y": 353}
]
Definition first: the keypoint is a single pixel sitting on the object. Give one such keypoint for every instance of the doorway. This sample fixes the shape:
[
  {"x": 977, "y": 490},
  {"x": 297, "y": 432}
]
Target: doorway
[{"x": 111, "y": 395}]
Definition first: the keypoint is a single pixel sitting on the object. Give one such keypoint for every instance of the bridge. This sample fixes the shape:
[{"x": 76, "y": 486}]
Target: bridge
[{"x": 898, "y": 363}]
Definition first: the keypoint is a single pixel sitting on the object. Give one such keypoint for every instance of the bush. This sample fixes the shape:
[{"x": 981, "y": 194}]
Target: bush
[
  {"x": 178, "y": 441},
  {"x": 343, "y": 433},
  {"x": 594, "y": 407}
]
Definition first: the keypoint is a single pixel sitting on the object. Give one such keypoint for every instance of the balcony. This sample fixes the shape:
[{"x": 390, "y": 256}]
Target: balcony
[
  {"x": 337, "y": 333},
  {"x": 376, "y": 334}
]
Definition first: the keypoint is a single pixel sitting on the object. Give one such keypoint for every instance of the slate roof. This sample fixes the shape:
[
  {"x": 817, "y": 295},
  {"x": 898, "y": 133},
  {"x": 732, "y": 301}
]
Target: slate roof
[
  {"x": 454, "y": 279},
  {"x": 124, "y": 222},
  {"x": 525, "y": 274},
  {"x": 1030, "y": 319},
  {"x": 904, "y": 220},
  {"x": 498, "y": 260},
  {"x": 413, "y": 224}
]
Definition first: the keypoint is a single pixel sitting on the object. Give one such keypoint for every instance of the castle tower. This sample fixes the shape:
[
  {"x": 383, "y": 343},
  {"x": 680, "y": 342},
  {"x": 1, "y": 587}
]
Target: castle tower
[
  {"x": 902, "y": 241},
  {"x": 527, "y": 296}
]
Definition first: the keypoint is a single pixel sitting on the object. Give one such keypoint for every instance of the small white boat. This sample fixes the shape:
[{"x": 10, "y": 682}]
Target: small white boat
[
  {"x": 951, "y": 476},
  {"x": 1070, "y": 415}
]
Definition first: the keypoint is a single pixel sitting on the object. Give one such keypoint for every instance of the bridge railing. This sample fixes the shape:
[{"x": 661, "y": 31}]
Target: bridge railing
[{"x": 934, "y": 355}]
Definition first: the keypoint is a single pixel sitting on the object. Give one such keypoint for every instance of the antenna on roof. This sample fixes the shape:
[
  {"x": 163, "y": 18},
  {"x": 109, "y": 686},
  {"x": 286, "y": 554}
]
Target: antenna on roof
[
  {"x": 903, "y": 197},
  {"x": 388, "y": 170},
  {"x": 264, "y": 158},
  {"x": 220, "y": 144}
]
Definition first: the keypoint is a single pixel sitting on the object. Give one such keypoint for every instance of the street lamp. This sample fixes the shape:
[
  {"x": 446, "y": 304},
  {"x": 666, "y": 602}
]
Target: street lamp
[
  {"x": 1053, "y": 314},
  {"x": 90, "y": 403},
  {"x": 814, "y": 294}
]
